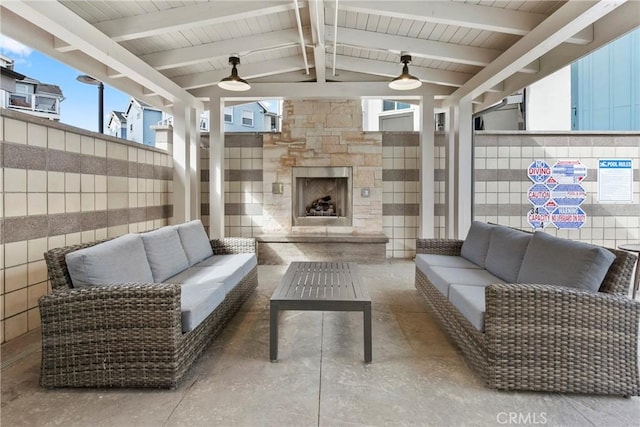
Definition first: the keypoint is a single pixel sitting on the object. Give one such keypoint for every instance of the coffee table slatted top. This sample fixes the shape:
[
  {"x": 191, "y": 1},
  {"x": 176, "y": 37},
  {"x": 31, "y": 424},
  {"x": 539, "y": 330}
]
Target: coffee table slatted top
[{"x": 329, "y": 281}]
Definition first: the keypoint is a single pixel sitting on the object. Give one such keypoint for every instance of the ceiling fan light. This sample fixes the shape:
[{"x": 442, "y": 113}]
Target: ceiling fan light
[{"x": 234, "y": 82}]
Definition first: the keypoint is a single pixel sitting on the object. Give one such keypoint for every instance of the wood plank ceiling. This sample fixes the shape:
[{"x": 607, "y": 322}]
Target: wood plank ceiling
[{"x": 165, "y": 52}]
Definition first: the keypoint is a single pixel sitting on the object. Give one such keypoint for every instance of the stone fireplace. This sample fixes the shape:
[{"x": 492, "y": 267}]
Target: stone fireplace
[
  {"x": 322, "y": 182},
  {"x": 322, "y": 137},
  {"x": 322, "y": 196}
]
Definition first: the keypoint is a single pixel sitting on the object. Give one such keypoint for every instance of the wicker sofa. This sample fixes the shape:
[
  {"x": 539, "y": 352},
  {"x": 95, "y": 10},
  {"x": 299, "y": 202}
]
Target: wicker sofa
[
  {"x": 143, "y": 332},
  {"x": 533, "y": 335}
]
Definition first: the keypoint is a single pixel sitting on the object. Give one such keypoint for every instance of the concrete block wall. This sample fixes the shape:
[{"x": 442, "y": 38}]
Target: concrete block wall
[
  {"x": 243, "y": 186},
  {"x": 61, "y": 186},
  {"x": 440, "y": 173},
  {"x": 501, "y": 183},
  {"x": 401, "y": 192}
]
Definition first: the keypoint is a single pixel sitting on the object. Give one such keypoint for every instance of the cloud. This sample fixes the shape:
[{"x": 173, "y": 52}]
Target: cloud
[{"x": 11, "y": 47}]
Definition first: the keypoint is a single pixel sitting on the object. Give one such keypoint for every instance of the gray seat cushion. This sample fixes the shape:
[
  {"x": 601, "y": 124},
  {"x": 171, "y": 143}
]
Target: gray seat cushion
[
  {"x": 506, "y": 251},
  {"x": 121, "y": 260},
  {"x": 443, "y": 261},
  {"x": 228, "y": 275},
  {"x": 469, "y": 300},
  {"x": 443, "y": 277},
  {"x": 195, "y": 241},
  {"x": 197, "y": 301},
  {"x": 164, "y": 252},
  {"x": 476, "y": 244},
  {"x": 245, "y": 261},
  {"x": 554, "y": 261}
]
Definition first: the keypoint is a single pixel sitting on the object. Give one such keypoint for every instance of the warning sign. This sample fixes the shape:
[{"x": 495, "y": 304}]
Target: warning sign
[
  {"x": 539, "y": 194},
  {"x": 556, "y": 194},
  {"x": 572, "y": 217},
  {"x": 551, "y": 183},
  {"x": 569, "y": 171},
  {"x": 569, "y": 194}
]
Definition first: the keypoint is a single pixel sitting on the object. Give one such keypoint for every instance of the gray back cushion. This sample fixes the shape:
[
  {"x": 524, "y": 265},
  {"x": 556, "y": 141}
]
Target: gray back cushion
[
  {"x": 554, "y": 261},
  {"x": 165, "y": 253},
  {"x": 117, "y": 261},
  {"x": 506, "y": 251},
  {"x": 194, "y": 241},
  {"x": 476, "y": 244}
]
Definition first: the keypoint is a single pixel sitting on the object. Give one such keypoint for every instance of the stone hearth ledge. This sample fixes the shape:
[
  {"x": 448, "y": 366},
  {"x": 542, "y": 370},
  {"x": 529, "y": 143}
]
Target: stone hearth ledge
[
  {"x": 323, "y": 238},
  {"x": 285, "y": 248}
]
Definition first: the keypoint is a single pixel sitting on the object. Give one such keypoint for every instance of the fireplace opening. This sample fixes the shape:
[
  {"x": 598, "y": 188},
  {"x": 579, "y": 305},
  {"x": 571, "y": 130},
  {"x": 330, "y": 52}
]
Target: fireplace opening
[{"x": 322, "y": 196}]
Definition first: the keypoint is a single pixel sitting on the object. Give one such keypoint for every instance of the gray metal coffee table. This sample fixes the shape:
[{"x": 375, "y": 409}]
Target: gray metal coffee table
[{"x": 321, "y": 286}]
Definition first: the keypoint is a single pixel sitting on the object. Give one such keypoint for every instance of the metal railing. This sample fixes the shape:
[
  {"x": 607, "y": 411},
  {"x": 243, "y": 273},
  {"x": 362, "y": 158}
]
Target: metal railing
[{"x": 44, "y": 104}]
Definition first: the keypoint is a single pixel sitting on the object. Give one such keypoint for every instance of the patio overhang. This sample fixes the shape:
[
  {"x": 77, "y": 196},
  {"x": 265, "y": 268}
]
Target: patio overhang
[{"x": 469, "y": 56}]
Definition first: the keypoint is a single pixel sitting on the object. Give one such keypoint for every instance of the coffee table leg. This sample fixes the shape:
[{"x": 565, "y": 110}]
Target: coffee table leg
[
  {"x": 273, "y": 332},
  {"x": 367, "y": 333}
]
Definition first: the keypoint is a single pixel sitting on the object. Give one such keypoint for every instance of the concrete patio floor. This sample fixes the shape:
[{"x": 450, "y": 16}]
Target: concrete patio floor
[{"x": 417, "y": 376}]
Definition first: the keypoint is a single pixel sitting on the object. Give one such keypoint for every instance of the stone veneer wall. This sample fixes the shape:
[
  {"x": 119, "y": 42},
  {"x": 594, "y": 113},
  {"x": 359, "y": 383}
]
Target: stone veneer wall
[
  {"x": 501, "y": 183},
  {"x": 323, "y": 133},
  {"x": 62, "y": 186}
]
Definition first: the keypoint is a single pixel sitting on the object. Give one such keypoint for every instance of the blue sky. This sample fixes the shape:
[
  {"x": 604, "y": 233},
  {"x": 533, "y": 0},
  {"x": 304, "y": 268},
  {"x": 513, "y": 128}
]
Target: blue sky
[{"x": 80, "y": 106}]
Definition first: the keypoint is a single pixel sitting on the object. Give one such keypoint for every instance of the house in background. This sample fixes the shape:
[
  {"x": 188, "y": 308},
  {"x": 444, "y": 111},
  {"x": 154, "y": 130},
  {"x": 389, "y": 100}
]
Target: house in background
[
  {"x": 19, "y": 92},
  {"x": 600, "y": 92},
  {"x": 605, "y": 87},
  {"x": 251, "y": 117},
  {"x": 389, "y": 115},
  {"x": 254, "y": 116},
  {"x": 135, "y": 123},
  {"x": 117, "y": 125},
  {"x": 140, "y": 116},
  {"x": 8, "y": 77}
]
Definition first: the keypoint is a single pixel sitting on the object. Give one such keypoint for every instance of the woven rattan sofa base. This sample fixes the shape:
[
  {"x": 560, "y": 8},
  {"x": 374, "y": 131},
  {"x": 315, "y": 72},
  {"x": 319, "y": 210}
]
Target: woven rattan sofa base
[
  {"x": 546, "y": 338},
  {"x": 126, "y": 335}
]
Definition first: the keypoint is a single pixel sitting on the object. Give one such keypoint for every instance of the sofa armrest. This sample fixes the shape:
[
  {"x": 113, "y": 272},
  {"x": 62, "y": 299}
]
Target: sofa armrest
[
  {"x": 439, "y": 246},
  {"x": 233, "y": 245},
  {"x": 140, "y": 312},
  {"x": 552, "y": 306},
  {"x": 588, "y": 339}
]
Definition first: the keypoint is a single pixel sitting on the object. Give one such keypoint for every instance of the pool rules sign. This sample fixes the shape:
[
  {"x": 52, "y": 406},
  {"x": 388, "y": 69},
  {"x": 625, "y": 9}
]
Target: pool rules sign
[{"x": 556, "y": 194}]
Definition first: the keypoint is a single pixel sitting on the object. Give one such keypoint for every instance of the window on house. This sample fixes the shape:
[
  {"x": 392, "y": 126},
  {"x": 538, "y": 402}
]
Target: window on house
[
  {"x": 204, "y": 124},
  {"x": 247, "y": 118},
  {"x": 392, "y": 105},
  {"x": 228, "y": 115}
]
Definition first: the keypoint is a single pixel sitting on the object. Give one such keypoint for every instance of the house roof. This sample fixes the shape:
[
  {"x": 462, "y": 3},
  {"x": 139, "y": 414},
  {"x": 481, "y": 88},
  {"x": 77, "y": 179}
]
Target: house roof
[
  {"x": 120, "y": 116},
  {"x": 8, "y": 72},
  {"x": 163, "y": 52},
  {"x": 42, "y": 88},
  {"x": 141, "y": 104},
  {"x": 48, "y": 89}
]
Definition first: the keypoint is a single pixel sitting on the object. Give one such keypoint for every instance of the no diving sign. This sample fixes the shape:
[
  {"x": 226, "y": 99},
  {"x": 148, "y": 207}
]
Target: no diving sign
[{"x": 539, "y": 171}]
